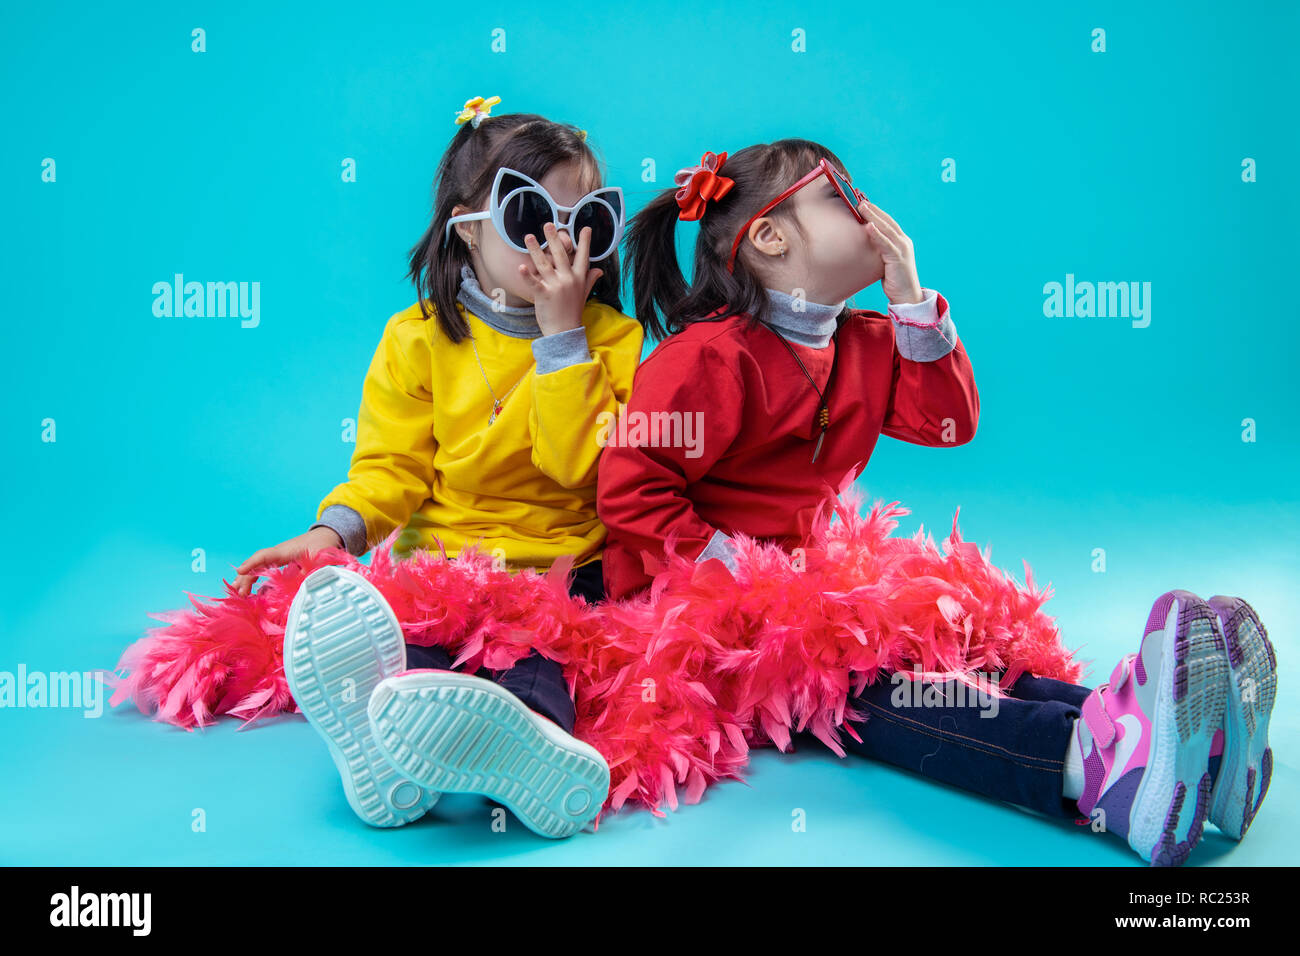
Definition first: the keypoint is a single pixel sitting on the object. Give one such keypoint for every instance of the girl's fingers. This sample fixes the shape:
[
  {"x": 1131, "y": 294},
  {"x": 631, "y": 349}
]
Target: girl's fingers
[
  {"x": 580, "y": 256},
  {"x": 889, "y": 220},
  {"x": 244, "y": 580},
  {"x": 884, "y": 228},
  {"x": 889, "y": 225},
  {"x": 558, "y": 250},
  {"x": 530, "y": 275},
  {"x": 541, "y": 261},
  {"x": 883, "y": 244}
]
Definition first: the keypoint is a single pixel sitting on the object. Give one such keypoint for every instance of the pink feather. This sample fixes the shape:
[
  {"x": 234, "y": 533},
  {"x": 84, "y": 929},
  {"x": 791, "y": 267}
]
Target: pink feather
[{"x": 672, "y": 686}]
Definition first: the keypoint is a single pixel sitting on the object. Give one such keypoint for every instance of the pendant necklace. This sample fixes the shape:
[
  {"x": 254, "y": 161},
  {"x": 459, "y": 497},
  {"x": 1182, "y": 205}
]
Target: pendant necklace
[
  {"x": 823, "y": 417},
  {"x": 496, "y": 402}
]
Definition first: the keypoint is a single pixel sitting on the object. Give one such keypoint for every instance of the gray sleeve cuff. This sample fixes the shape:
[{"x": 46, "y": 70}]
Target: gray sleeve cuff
[
  {"x": 349, "y": 524},
  {"x": 922, "y": 335},
  {"x": 561, "y": 349},
  {"x": 720, "y": 547}
]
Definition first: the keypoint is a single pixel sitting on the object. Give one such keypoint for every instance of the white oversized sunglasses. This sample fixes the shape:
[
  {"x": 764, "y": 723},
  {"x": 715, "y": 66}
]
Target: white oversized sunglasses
[{"x": 520, "y": 205}]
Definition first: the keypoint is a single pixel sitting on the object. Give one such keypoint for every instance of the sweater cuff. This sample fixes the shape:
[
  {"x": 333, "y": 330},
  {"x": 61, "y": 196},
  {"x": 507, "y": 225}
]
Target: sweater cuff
[
  {"x": 720, "y": 546},
  {"x": 923, "y": 331},
  {"x": 349, "y": 525},
  {"x": 561, "y": 349}
]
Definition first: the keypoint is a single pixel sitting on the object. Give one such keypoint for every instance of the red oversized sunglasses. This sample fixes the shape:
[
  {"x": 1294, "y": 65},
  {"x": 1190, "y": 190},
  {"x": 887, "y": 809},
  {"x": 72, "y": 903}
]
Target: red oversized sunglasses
[{"x": 843, "y": 187}]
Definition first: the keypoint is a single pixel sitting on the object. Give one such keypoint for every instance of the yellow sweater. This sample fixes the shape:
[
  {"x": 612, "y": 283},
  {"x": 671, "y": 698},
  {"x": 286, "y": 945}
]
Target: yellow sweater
[{"x": 524, "y": 487}]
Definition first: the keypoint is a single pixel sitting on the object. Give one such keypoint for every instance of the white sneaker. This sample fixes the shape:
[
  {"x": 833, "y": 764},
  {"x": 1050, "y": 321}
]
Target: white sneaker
[
  {"x": 459, "y": 733},
  {"x": 341, "y": 639}
]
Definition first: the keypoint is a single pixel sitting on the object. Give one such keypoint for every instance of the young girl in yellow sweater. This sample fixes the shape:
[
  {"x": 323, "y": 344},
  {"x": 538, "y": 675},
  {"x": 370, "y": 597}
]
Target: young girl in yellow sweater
[{"x": 478, "y": 425}]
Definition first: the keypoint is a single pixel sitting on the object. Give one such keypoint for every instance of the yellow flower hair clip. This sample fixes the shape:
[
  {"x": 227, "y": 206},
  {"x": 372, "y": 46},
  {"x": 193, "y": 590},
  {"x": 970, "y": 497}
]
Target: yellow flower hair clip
[
  {"x": 476, "y": 110},
  {"x": 582, "y": 135}
]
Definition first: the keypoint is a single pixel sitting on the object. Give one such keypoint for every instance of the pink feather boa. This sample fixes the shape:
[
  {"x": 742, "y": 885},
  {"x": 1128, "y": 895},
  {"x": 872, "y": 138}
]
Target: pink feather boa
[{"x": 673, "y": 686}]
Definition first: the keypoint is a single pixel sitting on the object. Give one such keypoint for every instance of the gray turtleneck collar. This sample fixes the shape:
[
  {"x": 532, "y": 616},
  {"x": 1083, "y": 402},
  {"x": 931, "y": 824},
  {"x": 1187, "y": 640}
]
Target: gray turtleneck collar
[
  {"x": 811, "y": 324},
  {"x": 518, "y": 321}
]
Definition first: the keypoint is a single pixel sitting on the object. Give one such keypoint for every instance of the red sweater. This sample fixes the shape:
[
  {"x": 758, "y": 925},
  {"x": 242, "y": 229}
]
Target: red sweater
[{"x": 746, "y": 416}]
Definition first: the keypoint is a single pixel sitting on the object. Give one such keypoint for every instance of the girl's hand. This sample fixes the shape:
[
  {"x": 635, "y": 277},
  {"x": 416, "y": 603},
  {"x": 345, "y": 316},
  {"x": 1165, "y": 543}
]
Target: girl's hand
[
  {"x": 317, "y": 539},
  {"x": 560, "y": 287},
  {"x": 900, "y": 283}
]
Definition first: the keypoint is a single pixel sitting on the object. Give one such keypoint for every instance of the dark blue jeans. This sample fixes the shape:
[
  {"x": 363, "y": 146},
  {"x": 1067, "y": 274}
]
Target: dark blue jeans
[
  {"x": 535, "y": 680},
  {"x": 1017, "y": 755}
]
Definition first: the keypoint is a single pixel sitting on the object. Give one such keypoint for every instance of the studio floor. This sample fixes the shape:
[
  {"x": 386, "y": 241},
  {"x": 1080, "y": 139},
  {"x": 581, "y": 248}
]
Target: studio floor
[{"x": 120, "y": 789}]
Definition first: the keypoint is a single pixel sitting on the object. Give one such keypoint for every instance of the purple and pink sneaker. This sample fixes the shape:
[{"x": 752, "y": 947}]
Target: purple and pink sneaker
[
  {"x": 1247, "y": 760},
  {"x": 1147, "y": 734}
]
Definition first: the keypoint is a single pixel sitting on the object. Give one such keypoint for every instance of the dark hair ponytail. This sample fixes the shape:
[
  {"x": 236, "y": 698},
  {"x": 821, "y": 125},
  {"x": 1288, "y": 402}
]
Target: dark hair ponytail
[
  {"x": 760, "y": 172},
  {"x": 527, "y": 142},
  {"x": 657, "y": 281}
]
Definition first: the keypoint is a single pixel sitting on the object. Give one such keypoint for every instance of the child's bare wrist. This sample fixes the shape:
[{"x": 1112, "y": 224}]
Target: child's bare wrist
[{"x": 331, "y": 536}]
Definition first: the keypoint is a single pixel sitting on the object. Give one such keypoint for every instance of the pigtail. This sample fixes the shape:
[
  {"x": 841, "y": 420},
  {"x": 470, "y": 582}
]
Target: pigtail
[{"x": 658, "y": 285}]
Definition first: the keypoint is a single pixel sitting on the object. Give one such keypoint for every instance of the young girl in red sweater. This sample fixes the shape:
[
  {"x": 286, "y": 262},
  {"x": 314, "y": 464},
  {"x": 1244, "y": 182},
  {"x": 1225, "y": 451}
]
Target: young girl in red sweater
[{"x": 769, "y": 391}]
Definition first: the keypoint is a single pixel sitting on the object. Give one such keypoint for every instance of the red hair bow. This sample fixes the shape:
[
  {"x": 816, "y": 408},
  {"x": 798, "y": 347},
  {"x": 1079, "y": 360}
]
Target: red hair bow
[{"x": 700, "y": 184}]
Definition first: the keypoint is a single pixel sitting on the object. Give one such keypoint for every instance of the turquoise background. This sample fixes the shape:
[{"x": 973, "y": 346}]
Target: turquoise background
[{"x": 175, "y": 434}]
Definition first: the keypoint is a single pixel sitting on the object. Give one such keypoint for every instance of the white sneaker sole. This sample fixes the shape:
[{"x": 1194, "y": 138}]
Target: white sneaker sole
[
  {"x": 458, "y": 733},
  {"x": 1186, "y": 701},
  {"x": 1247, "y": 763},
  {"x": 341, "y": 639}
]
